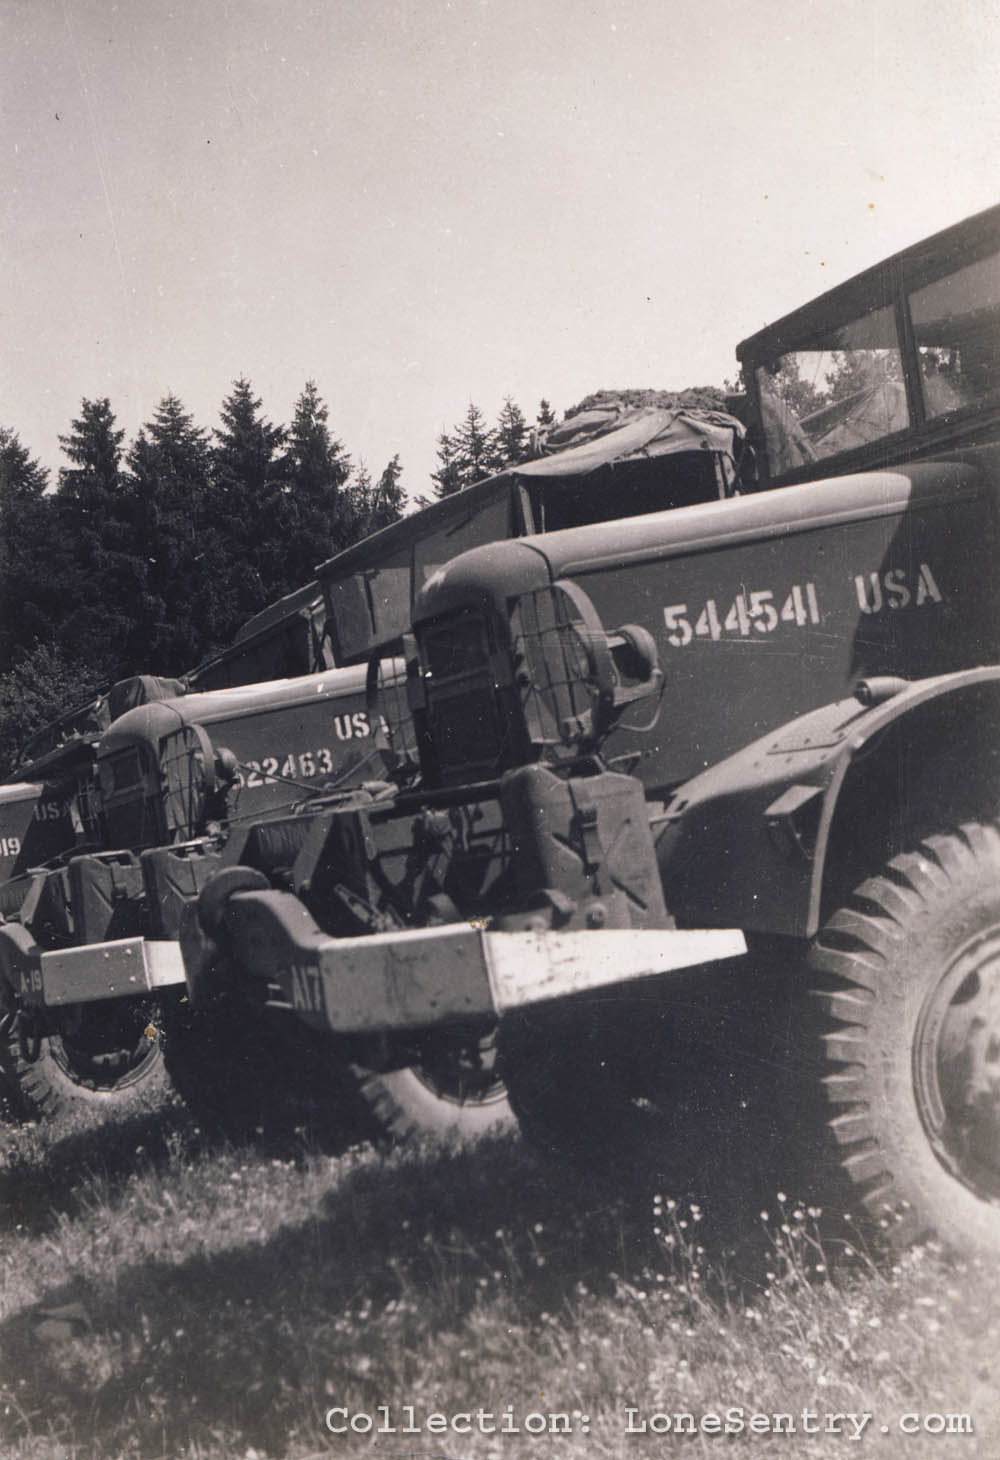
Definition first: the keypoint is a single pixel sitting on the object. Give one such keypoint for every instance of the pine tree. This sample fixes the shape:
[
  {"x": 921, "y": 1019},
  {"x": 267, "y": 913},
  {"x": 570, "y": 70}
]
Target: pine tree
[
  {"x": 94, "y": 447},
  {"x": 21, "y": 477},
  {"x": 467, "y": 455},
  {"x": 388, "y": 498},
  {"x": 25, "y": 516},
  {"x": 511, "y": 436},
  {"x": 40, "y": 684},
  {"x": 315, "y": 469},
  {"x": 476, "y": 447},
  {"x": 321, "y": 464},
  {"x": 186, "y": 606},
  {"x": 250, "y": 506},
  {"x": 93, "y": 569},
  {"x": 546, "y": 415},
  {"x": 245, "y": 453},
  {"x": 360, "y": 501},
  {"x": 447, "y": 478}
]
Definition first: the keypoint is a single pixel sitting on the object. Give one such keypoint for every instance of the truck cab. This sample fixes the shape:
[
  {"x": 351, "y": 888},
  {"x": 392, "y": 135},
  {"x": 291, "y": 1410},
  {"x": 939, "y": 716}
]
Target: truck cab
[{"x": 899, "y": 363}]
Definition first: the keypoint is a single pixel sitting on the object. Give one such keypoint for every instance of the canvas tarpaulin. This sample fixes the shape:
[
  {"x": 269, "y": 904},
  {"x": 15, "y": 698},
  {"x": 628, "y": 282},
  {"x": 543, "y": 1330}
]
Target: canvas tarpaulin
[{"x": 597, "y": 438}]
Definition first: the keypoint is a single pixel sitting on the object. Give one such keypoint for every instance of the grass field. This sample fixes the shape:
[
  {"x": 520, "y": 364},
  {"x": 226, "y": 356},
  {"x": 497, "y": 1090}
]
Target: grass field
[{"x": 162, "y": 1297}]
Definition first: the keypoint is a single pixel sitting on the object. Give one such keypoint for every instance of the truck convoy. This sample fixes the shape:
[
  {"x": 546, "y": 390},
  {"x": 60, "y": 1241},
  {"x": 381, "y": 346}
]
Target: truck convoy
[
  {"x": 283, "y": 740},
  {"x": 607, "y": 460},
  {"x": 617, "y": 757}
]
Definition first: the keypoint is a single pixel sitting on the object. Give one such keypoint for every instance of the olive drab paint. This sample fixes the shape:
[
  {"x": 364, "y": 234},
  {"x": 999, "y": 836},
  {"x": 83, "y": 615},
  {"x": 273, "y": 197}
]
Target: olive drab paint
[
  {"x": 766, "y": 607},
  {"x": 775, "y": 622},
  {"x": 288, "y": 738}
]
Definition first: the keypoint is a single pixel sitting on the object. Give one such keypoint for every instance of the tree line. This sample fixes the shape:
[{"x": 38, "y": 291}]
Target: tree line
[
  {"x": 146, "y": 557},
  {"x": 474, "y": 450}
]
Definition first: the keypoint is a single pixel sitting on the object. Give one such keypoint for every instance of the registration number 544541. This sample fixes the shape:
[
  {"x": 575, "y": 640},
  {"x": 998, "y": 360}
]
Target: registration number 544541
[{"x": 759, "y": 611}]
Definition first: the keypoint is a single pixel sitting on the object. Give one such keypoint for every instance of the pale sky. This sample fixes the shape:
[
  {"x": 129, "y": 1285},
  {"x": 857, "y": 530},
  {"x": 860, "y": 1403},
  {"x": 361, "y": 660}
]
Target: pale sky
[{"x": 418, "y": 203}]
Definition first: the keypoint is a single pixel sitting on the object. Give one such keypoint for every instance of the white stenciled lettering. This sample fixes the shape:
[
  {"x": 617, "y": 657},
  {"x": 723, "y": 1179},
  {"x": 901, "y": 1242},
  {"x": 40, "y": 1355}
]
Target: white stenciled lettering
[
  {"x": 307, "y": 988},
  {"x": 750, "y": 613},
  {"x": 49, "y": 810},
  {"x": 869, "y": 603},
  {"x": 302, "y": 765},
  {"x": 926, "y": 586},
  {"x": 896, "y": 592},
  {"x": 895, "y": 589},
  {"x": 31, "y": 982}
]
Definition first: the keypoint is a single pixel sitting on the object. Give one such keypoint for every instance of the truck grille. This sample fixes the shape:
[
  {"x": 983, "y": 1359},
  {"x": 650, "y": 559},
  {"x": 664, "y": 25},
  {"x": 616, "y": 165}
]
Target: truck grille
[
  {"x": 494, "y": 700},
  {"x": 129, "y": 789},
  {"x": 456, "y": 648},
  {"x": 467, "y": 735},
  {"x": 463, "y": 700}
]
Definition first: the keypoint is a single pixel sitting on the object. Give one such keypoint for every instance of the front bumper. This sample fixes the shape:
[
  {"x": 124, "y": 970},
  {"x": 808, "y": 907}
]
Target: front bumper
[
  {"x": 384, "y": 982},
  {"x": 414, "y": 979}
]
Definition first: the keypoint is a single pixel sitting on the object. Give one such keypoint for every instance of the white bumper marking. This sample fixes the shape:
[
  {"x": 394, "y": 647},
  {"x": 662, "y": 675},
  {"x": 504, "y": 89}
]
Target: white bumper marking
[
  {"x": 526, "y": 968},
  {"x": 113, "y": 970}
]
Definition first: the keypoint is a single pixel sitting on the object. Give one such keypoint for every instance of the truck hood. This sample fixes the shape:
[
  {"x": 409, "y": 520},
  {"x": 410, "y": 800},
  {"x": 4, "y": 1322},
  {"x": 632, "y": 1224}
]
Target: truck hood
[{"x": 510, "y": 568}]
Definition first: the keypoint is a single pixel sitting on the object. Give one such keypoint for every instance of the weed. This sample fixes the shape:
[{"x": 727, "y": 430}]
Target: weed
[{"x": 163, "y": 1297}]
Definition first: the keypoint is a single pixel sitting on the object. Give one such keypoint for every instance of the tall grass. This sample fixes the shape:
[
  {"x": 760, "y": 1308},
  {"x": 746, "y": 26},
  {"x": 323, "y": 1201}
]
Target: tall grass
[{"x": 160, "y": 1297}]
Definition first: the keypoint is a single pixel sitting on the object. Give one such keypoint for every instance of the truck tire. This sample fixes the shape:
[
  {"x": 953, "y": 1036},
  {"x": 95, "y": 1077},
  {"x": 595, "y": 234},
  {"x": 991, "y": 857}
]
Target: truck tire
[
  {"x": 454, "y": 1092},
  {"x": 905, "y": 978},
  {"x": 101, "y": 1055},
  {"x": 566, "y": 1087},
  {"x": 245, "y": 1071},
  {"x": 213, "y": 1058},
  {"x": 633, "y": 1093},
  {"x": 246, "y": 1074}
]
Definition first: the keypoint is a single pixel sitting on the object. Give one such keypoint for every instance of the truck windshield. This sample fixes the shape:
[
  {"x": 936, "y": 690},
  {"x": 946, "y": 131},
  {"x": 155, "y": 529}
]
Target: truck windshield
[
  {"x": 844, "y": 389},
  {"x": 898, "y": 361},
  {"x": 956, "y": 323}
]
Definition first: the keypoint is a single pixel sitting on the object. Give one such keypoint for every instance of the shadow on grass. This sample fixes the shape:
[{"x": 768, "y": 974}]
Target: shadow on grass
[
  {"x": 46, "y": 1169},
  {"x": 409, "y": 1255},
  {"x": 49, "y": 1172}
]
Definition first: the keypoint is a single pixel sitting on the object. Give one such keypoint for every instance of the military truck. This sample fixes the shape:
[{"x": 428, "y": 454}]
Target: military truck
[
  {"x": 83, "y": 1019},
  {"x": 70, "y": 871},
  {"x": 283, "y": 641},
  {"x": 621, "y": 754},
  {"x": 609, "y": 459},
  {"x": 628, "y": 752}
]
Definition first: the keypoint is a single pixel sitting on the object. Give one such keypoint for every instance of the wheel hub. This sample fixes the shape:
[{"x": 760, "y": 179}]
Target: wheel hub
[
  {"x": 109, "y": 1050},
  {"x": 957, "y": 1065},
  {"x": 461, "y": 1068}
]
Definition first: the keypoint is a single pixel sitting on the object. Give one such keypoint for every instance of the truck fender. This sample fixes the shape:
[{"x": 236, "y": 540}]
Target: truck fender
[
  {"x": 926, "y": 761},
  {"x": 767, "y": 838}
]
